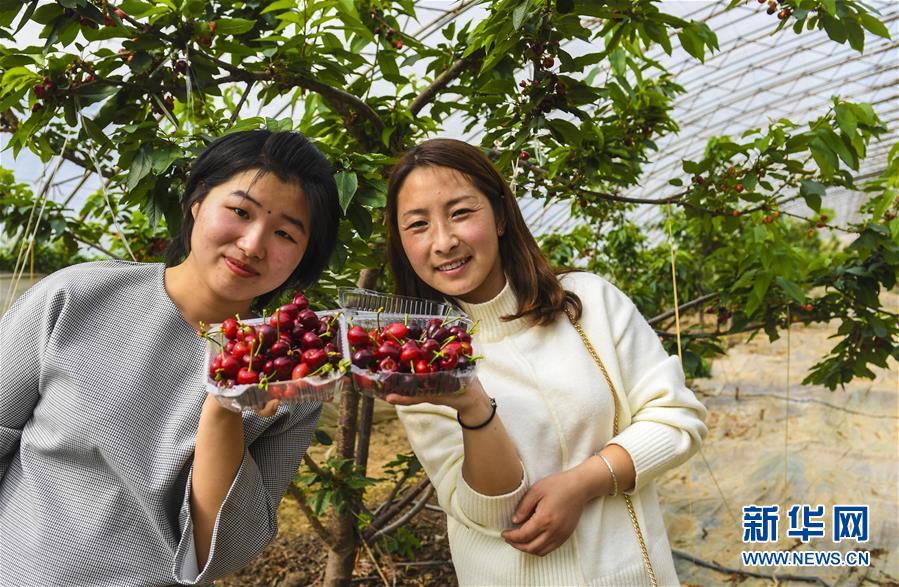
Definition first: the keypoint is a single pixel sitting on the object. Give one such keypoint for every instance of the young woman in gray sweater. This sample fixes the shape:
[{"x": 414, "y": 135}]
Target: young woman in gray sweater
[{"x": 116, "y": 468}]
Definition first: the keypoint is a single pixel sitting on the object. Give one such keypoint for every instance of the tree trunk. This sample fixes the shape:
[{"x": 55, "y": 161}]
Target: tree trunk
[{"x": 342, "y": 557}]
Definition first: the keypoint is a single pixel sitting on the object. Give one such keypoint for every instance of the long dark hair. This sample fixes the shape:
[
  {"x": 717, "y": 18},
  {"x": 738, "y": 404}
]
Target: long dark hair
[
  {"x": 293, "y": 159},
  {"x": 535, "y": 283}
]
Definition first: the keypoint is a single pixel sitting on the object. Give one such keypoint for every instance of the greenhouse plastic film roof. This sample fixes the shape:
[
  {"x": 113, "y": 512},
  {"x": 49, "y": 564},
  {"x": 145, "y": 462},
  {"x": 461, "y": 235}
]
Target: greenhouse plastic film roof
[{"x": 756, "y": 78}]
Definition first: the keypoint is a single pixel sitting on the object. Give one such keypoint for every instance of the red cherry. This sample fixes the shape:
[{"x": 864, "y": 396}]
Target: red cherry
[
  {"x": 524, "y": 156},
  {"x": 398, "y": 331},
  {"x": 269, "y": 368},
  {"x": 212, "y": 27},
  {"x": 388, "y": 349},
  {"x": 358, "y": 337},
  {"x": 230, "y": 366},
  {"x": 308, "y": 319},
  {"x": 291, "y": 309},
  {"x": 548, "y": 62},
  {"x": 421, "y": 366},
  {"x": 300, "y": 302},
  {"x": 279, "y": 348},
  {"x": 460, "y": 333},
  {"x": 240, "y": 349},
  {"x": 40, "y": 91},
  {"x": 310, "y": 340},
  {"x": 363, "y": 358},
  {"x": 246, "y": 376},
  {"x": 398, "y": 44},
  {"x": 120, "y": 13},
  {"x": 430, "y": 346},
  {"x": 449, "y": 360},
  {"x": 409, "y": 353},
  {"x": 387, "y": 365},
  {"x": 300, "y": 371},
  {"x": 454, "y": 347},
  {"x": 267, "y": 335},
  {"x": 229, "y": 328},
  {"x": 283, "y": 367},
  {"x": 290, "y": 392},
  {"x": 315, "y": 358},
  {"x": 281, "y": 320},
  {"x": 181, "y": 66}
]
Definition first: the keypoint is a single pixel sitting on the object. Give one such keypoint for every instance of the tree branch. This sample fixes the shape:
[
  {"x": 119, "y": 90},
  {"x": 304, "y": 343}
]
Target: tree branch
[
  {"x": 390, "y": 512},
  {"x": 685, "y": 306},
  {"x": 338, "y": 98},
  {"x": 443, "y": 80},
  {"x": 313, "y": 465},
  {"x": 747, "y": 328},
  {"x": 243, "y": 99},
  {"x": 98, "y": 247},
  {"x": 419, "y": 505},
  {"x": 322, "y": 532},
  {"x": 776, "y": 577}
]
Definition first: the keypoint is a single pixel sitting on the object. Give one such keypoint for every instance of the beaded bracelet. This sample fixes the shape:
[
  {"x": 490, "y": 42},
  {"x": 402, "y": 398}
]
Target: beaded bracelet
[{"x": 482, "y": 424}]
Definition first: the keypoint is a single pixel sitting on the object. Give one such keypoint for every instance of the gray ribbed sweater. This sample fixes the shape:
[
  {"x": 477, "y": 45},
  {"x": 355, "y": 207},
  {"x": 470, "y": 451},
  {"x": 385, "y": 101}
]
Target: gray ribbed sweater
[{"x": 101, "y": 388}]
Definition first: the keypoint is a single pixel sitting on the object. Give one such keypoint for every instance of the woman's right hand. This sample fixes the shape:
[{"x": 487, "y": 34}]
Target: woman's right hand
[
  {"x": 471, "y": 403},
  {"x": 491, "y": 465}
]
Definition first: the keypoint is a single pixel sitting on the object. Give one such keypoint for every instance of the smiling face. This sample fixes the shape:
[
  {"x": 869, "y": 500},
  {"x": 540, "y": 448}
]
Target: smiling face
[
  {"x": 249, "y": 235},
  {"x": 450, "y": 234}
]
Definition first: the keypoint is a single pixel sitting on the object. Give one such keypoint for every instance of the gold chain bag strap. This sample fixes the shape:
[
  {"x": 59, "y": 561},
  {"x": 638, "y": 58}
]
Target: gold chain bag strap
[{"x": 627, "y": 498}]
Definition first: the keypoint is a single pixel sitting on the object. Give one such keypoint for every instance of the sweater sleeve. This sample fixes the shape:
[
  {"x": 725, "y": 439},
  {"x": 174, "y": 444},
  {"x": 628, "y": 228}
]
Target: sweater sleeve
[
  {"x": 24, "y": 332},
  {"x": 667, "y": 421},
  {"x": 248, "y": 518},
  {"x": 436, "y": 439}
]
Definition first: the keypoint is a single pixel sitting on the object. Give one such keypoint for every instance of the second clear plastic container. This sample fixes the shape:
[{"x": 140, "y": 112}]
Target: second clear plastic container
[{"x": 362, "y": 306}]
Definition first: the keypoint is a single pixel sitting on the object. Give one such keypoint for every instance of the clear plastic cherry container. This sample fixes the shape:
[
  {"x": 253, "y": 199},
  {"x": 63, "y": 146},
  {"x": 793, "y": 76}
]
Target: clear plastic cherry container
[
  {"x": 315, "y": 387},
  {"x": 419, "y": 336}
]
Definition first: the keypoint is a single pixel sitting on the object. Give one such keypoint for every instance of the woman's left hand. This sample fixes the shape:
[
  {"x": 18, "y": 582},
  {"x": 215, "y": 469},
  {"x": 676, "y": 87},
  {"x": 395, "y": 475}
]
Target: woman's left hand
[{"x": 549, "y": 513}]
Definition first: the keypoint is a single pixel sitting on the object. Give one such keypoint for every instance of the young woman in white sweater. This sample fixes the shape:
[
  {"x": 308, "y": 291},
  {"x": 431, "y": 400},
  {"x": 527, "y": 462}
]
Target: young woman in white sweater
[{"x": 526, "y": 461}]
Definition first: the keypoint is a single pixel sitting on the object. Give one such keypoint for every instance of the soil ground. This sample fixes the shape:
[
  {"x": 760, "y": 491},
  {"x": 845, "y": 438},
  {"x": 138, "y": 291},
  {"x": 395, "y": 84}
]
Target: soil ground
[{"x": 771, "y": 441}]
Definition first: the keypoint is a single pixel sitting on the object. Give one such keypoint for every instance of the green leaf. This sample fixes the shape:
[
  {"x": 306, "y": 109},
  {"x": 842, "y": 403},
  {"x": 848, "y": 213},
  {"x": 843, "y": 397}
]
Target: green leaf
[
  {"x": 140, "y": 166},
  {"x": 833, "y": 28},
  {"x": 233, "y": 26},
  {"x": 347, "y": 183},
  {"x": 617, "y": 59},
  {"x": 519, "y": 14},
  {"x": 791, "y": 289},
  {"x": 27, "y": 16},
  {"x": 856, "y": 35},
  {"x": 874, "y": 25},
  {"x": 564, "y": 6},
  {"x": 93, "y": 130},
  {"x": 279, "y": 5},
  {"x": 360, "y": 219},
  {"x": 389, "y": 69},
  {"x": 830, "y": 6},
  {"x": 825, "y": 158},
  {"x": 569, "y": 134},
  {"x": 692, "y": 44},
  {"x": 812, "y": 192},
  {"x": 96, "y": 92}
]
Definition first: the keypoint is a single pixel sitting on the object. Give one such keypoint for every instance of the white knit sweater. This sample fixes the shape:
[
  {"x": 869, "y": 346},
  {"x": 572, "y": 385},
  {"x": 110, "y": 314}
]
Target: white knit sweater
[{"x": 556, "y": 406}]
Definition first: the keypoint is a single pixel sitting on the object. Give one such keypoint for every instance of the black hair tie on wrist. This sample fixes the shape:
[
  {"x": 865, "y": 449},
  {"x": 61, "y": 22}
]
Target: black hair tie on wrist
[{"x": 482, "y": 424}]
